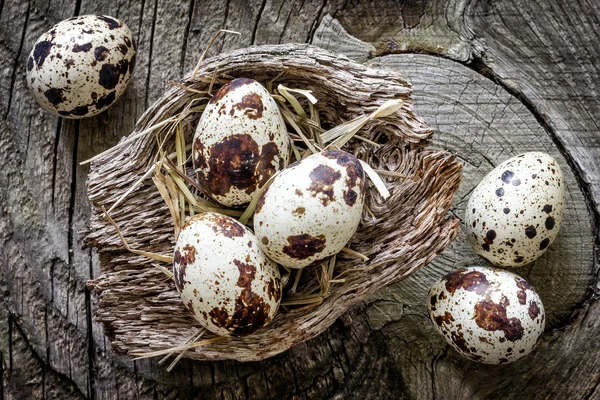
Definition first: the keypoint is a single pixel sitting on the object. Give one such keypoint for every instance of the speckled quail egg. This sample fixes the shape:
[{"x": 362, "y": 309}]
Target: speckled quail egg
[
  {"x": 81, "y": 66},
  {"x": 240, "y": 142},
  {"x": 223, "y": 277},
  {"x": 311, "y": 209},
  {"x": 515, "y": 212},
  {"x": 488, "y": 315}
]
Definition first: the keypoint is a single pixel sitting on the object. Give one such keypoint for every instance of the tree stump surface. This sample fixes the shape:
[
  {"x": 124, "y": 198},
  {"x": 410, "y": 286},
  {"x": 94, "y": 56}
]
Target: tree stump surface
[{"x": 493, "y": 78}]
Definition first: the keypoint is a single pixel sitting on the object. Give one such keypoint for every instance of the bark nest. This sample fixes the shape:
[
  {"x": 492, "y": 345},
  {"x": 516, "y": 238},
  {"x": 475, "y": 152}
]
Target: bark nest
[{"x": 141, "y": 311}]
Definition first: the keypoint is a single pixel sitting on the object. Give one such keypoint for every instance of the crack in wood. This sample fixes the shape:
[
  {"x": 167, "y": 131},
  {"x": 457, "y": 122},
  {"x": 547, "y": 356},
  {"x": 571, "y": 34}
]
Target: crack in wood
[
  {"x": 55, "y": 158},
  {"x": 17, "y": 62},
  {"x": 260, "y": 11},
  {"x": 186, "y": 34},
  {"x": 151, "y": 48}
]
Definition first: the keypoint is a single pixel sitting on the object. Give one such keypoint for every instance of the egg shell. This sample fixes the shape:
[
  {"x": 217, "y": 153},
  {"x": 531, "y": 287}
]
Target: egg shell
[
  {"x": 311, "y": 209},
  {"x": 81, "y": 66},
  {"x": 516, "y": 211},
  {"x": 223, "y": 277},
  {"x": 240, "y": 142},
  {"x": 488, "y": 315}
]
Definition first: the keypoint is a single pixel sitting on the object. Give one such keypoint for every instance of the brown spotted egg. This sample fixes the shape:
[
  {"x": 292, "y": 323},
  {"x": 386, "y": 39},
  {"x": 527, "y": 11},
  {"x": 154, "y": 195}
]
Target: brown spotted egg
[
  {"x": 488, "y": 315},
  {"x": 81, "y": 66},
  {"x": 223, "y": 277},
  {"x": 240, "y": 142},
  {"x": 515, "y": 212},
  {"x": 311, "y": 209}
]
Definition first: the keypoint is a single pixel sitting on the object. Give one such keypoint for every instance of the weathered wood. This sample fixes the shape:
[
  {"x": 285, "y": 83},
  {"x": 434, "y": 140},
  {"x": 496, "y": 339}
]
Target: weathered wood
[{"x": 544, "y": 53}]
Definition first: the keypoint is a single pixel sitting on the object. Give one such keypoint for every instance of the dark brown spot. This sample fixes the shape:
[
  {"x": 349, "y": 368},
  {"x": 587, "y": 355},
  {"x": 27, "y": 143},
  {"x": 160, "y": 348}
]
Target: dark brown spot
[
  {"x": 229, "y": 87},
  {"x": 106, "y": 100},
  {"x": 506, "y": 210},
  {"x": 490, "y": 236},
  {"x": 111, "y": 73},
  {"x": 322, "y": 179},
  {"x": 274, "y": 289},
  {"x": 41, "y": 51},
  {"x": 231, "y": 163},
  {"x": 442, "y": 296},
  {"x": 530, "y": 231},
  {"x": 112, "y": 23},
  {"x": 265, "y": 241},
  {"x": 445, "y": 319},
  {"x": 304, "y": 246},
  {"x": 299, "y": 211},
  {"x": 547, "y": 208},
  {"x": 265, "y": 169},
  {"x": 485, "y": 247},
  {"x": 69, "y": 63},
  {"x": 251, "y": 311},
  {"x": 247, "y": 273},
  {"x": 252, "y": 106},
  {"x": 127, "y": 41},
  {"x": 459, "y": 340},
  {"x": 77, "y": 48},
  {"x": 180, "y": 264},
  {"x": 503, "y": 360},
  {"x": 483, "y": 339},
  {"x": 473, "y": 281},
  {"x": 544, "y": 243},
  {"x": 507, "y": 176},
  {"x": 87, "y": 31},
  {"x": 100, "y": 53},
  {"x": 433, "y": 301},
  {"x": 492, "y": 317},
  {"x": 260, "y": 203},
  {"x": 354, "y": 169},
  {"x": 500, "y": 192},
  {"x": 298, "y": 192},
  {"x": 534, "y": 310},
  {"x": 122, "y": 48},
  {"x": 54, "y": 95},
  {"x": 81, "y": 110},
  {"x": 350, "y": 197},
  {"x": 549, "y": 223},
  {"x": 521, "y": 294},
  {"x": 190, "y": 307},
  {"x": 227, "y": 226},
  {"x": 518, "y": 259}
]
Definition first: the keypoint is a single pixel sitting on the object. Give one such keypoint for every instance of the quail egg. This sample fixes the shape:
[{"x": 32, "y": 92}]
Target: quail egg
[
  {"x": 240, "y": 142},
  {"x": 488, "y": 315},
  {"x": 223, "y": 277},
  {"x": 515, "y": 212},
  {"x": 81, "y": 66},
  {"x": 311, "y": 209}
]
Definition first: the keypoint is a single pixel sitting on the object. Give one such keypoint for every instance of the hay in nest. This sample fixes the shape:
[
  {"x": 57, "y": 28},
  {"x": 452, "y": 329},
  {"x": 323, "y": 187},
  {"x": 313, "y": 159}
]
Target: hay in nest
[{"x": 142, "y": 311}]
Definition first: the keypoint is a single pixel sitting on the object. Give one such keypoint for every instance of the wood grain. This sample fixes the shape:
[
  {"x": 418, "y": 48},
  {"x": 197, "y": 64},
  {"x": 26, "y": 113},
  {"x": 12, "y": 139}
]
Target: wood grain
[{"x": 536, "y": 56}]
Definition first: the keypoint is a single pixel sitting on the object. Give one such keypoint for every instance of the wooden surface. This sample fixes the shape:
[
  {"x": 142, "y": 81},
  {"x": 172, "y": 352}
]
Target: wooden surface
[{"x": 494, "y": 78}]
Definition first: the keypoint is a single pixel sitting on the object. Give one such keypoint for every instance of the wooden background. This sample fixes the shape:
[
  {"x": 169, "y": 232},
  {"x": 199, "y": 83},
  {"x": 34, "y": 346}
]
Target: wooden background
[{"x": 494, "y": 78}]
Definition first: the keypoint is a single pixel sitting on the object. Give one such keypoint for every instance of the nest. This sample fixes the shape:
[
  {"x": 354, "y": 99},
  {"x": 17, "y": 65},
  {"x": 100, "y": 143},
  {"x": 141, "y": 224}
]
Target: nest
[{"x": 142, "y": 311}]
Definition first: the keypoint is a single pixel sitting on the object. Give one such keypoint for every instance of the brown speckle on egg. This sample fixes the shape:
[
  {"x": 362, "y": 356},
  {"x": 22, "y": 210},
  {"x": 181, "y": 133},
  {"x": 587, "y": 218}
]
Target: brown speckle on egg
[
  {"x": 303, "y": 246},
  {"x": 323, "y": 177},
  {"x": 252, "y": 106},
  {"x": 474, "y": 281}
]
